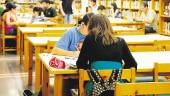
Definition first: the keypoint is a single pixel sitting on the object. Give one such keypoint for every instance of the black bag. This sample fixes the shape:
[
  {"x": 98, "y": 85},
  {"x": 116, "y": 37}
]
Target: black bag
[
  {"x": 103, "y": 87},
  {"x": 27, "y": 93}
]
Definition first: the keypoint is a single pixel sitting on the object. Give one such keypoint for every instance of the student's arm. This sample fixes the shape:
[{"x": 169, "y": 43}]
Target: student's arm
[
  {"x": 61, "y": 8},
  {"x": 82, "y": 62},
  {"x": 127, "y": 56}
]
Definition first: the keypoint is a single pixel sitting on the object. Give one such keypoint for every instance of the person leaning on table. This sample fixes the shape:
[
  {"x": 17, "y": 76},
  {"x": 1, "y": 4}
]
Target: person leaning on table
[{"x": 67, "y": 45}]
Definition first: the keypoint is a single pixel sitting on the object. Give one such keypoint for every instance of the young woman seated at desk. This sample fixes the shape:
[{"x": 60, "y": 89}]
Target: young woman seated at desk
[
  {"x": 10, "y": 19},
  {"x": 101, "y": 50}
]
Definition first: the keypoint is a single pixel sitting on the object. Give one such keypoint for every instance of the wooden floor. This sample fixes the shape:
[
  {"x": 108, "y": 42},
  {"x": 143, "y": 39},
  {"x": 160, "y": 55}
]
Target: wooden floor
[{"x": 12, "y": 77}]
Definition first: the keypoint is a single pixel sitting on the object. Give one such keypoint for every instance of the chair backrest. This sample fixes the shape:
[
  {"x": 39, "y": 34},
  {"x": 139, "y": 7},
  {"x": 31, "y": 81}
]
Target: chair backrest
[
  {"x": 35, "y": 25},
  {"x": 50, "y": 45},
  {"x": 49, "y": 34},
  {"x": 161, "y": 44},
  {"x": 61, "y": 25},
  {"x": 167, "y": 47},
  {"x": 147, "y": 88},
  {"x": 100, "y": 65},
  {"x": 53, "y": 31},
  {"x": 159, "y": 68},
  {"x": 128, "y": 74}
]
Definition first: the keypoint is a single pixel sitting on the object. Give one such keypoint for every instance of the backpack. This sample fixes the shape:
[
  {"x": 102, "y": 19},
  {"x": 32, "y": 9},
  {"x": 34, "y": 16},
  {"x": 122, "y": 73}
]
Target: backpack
[{"x": 103, "y": 87}]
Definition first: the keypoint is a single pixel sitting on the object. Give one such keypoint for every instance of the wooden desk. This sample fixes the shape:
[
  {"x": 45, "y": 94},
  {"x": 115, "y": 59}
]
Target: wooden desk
[
  {"x": 23, "y": 32},
  {"x": 138, "y": 30},
  {"x": 39, "y": 44},
  {"x": 138, "y": 40},
  {"x": 143, "y": 42},
  {"x": 145, "y": 62}
]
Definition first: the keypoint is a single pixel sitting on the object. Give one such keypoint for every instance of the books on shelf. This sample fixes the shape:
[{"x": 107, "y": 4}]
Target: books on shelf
[
  {"x": 167, "y": 9},
  {"x": 166, "y": 27},
  {"x": 156, "y": 5},
  {"x": 135, "y": 4},
  {"x": 118, "y": 2},
  {"x": 126, "y": 4},
  {"x": 149, "y": 4}
]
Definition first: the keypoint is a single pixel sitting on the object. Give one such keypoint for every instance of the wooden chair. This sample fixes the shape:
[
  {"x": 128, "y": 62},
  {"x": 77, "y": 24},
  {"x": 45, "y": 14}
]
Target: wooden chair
[
  {"x": 167, "y": 47},
  {"x": 128, "y": 74},
  {"x": 161, "y": 44},
  {"x": 4, "y": 37},
  {"x": 61, "y": 25},
  {"x": 50, "y": 45},
  {"x": 49, "y": 34},
  {"x": 129, "y": 89},
  {"x": 163, "y": 68},
  {"x": 35, "y": 25}
]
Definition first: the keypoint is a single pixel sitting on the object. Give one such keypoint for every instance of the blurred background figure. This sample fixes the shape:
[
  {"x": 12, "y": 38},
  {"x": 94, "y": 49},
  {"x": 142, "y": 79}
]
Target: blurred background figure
[
  {"x": 49, "y": 11},
  {"x": 116, "y": 11},
  {"x": 101, "y": 10},
  {"x": 94, "y": 6},
  {"x": 66, "y": 10}
]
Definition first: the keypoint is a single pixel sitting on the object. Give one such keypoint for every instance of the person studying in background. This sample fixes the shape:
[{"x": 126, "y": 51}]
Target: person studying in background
[
  {"x": 101, "y": 10},
  {"x": 10, "y": 19},
  {"x": 77, "y": 10},
  {"x": 116, "y": 11},
  {"x": 68, "y": 44},
  {"x": 149, "y": 17},
  {"x": 94, "y": 6},
  {"x": 101, "y": 45},
  {"x": 49, "y": 11}
]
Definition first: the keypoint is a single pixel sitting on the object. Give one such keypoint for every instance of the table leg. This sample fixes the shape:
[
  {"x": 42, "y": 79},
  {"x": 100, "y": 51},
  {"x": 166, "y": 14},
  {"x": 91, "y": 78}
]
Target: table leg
[
  {"x": 27, "y": 50},
  {"x": 38, "y": 68},
  {"x": 58, "y": 85},
  {"x": 21, "y": 48},
  {"x": 18, "y": 41},
  {"x": 45, "y": 82},
  {"x": 30, "y": 59}
]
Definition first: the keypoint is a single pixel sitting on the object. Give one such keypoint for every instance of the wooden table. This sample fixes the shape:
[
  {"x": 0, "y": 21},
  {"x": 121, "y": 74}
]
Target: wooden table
[
  {"x": 39, "y": 44},
  {"x": 145, "y": 62},
  {"x": 23, "y": 32},
  {"x": 143, "y": 42},
  {"x": 138, "y": 30}
]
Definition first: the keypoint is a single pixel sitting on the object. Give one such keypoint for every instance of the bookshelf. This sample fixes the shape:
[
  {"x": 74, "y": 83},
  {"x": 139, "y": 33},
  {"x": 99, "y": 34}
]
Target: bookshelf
[
  {"x": 129, "y": 6},
  {"x": 164, "y": 18}
]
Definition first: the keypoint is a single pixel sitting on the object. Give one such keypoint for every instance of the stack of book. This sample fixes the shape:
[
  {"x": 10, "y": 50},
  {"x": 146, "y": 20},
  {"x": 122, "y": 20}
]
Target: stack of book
[
  {"x": 167, "y": 9},
  {"x": 126, "y": 4},
  {"x": 156, "y": 5},
  {"x": 167, "y": 27},
  {"x": 135, "y": 4}
]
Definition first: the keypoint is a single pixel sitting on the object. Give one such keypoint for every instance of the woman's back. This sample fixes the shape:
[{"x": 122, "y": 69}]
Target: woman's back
[{"x": 100, "y": 45}]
